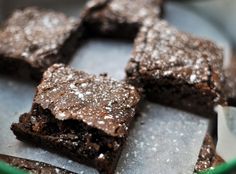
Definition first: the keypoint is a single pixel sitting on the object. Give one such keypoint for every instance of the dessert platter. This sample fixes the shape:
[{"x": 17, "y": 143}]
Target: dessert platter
[{"x": 110, "y": 86}]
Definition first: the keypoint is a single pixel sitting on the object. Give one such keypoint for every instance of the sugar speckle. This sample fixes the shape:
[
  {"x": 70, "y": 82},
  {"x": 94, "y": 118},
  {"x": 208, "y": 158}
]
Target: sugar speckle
[
  {"x": 193, "y": 77},
  {"x": 101, "y": 122},
  {"x": 84, "y": 85},
  {"x": 101, "y": 156},
  {"x": 108, "y": 117},
  {"x": 61, "y": 116},
  {"x": 57, "y": 170}
]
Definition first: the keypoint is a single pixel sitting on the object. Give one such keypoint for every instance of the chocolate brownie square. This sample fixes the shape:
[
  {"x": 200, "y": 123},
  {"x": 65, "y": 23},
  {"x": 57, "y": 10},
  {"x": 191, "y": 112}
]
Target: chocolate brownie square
[
  {"x": 83, "y": 116},
  {"x": 176, "y": 69},
  {"x": 119, "y": 18},
  {"x": 33, "y": 39},
  {"x": 33, "y": 167}
]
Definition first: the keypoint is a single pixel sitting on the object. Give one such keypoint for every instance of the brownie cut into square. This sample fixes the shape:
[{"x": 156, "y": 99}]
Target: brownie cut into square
[
  {"x": 83, "y": 116},
  {"x": 33, "y": 39},
  {"x": 176, "y": 69},
  {"x": 118, "y": 18}
]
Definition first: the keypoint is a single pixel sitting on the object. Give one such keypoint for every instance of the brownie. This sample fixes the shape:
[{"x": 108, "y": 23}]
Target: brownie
[
  {"x": 83, "y": 116},
  {"x": 230, "y": 82},
  {"x": 33, "y": 39},
  {"x": 118, "y": 18},
  {"x": 33, "y": 167},
  {"x": 207, "y": 157},
  {"x": 176, "y": 69}
]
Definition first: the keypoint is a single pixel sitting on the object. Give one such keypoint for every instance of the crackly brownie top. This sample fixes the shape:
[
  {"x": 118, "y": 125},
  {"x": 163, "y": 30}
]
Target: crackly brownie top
[
  {"x": 34, "y": 35},
  {"x": 123, "y": 11},
  {"x": 98, "y": 101},
  {"x": 162, "y": 51}
]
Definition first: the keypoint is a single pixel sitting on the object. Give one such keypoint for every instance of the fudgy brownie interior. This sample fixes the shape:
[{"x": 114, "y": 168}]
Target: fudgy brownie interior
[
  {"x": 183, "y": 96},
  {"x": 70, "y": 137}
]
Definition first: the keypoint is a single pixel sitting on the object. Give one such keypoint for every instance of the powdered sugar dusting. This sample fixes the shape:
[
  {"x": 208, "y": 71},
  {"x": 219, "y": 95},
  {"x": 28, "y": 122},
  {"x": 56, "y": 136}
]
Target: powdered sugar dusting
[
  {"x": 97, "y": 100},
  {"x": 162, "y": 50},
  {"x": 31, "y": 33}
]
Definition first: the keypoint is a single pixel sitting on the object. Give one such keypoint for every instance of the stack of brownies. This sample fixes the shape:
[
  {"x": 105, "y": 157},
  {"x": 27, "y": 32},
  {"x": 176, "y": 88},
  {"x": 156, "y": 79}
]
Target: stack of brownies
[{"x": 88, "y": 117}]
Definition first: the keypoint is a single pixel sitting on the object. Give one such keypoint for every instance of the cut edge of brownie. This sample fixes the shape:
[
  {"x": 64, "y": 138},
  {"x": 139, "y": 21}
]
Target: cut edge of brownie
[
  {"x": 188, "y": 97},
  {"x": 104, "y": 160}
]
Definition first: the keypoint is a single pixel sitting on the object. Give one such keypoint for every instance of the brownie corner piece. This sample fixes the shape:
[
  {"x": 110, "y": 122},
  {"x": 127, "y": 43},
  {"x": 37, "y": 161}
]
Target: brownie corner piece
[
  {"x": 33, "y": 39},
  {"x": 119, "y": 18},
  {"x": 177, "y": 69},
  {"x": 83, "y": 116}
]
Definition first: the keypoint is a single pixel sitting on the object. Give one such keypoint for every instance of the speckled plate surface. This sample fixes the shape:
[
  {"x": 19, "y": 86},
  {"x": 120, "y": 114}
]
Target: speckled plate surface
[{"x": 163, "y": 140}]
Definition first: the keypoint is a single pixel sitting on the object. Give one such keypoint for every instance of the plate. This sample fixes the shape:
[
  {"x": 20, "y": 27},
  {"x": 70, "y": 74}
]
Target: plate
[{"x": 162, "y": 140}]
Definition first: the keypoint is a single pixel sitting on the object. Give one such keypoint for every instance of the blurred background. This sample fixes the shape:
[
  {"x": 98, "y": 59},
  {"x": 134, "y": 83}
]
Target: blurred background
[{"x": 221, "y": 12}]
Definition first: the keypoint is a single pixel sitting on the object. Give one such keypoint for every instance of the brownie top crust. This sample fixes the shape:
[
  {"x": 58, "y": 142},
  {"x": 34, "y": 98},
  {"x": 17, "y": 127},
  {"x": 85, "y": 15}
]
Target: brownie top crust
[
  {"x": 124, "y": 11},
  {"x": 98, "y": 101},
  {"x": 34, "y": 35},
  {"x": 160, "y": 50}
]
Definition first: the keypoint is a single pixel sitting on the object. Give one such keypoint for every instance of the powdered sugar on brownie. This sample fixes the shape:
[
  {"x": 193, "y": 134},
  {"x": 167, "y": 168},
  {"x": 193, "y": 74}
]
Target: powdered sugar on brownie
[
  {"x": 161, "y": 50},
  {"x": 34, "y": 35},
  {"x": 100, "y": 102}
]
